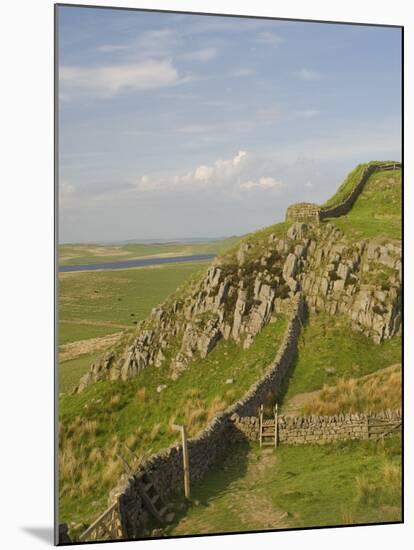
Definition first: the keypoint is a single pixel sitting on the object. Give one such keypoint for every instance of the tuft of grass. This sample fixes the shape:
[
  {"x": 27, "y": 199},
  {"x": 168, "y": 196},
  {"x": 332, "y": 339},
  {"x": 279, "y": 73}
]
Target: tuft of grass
[
  {"x": 142, "y": 394},
  {"x": 366, "y": 491},
  {"x": 112, "y": 471}
]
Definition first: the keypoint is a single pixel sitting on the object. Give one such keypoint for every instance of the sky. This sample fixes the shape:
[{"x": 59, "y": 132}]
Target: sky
[{"x": 188, "y": 126}]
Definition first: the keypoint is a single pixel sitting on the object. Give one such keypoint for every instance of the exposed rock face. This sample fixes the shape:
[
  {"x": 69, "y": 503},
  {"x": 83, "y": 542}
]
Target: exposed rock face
[
  {"x": 240, "y": 293},
  {"x": 348, "y": 278}
]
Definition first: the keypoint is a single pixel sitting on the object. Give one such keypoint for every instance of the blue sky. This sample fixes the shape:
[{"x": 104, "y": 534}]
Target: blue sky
[{"x": 175, "y": 125}]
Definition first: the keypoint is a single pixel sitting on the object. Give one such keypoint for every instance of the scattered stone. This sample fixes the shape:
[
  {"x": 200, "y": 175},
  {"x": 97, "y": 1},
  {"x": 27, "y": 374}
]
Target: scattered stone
[
  {"x": 330, "y": 370},
  {"x": 229, "y": 380},
  {"x": 161, "y": 387}
]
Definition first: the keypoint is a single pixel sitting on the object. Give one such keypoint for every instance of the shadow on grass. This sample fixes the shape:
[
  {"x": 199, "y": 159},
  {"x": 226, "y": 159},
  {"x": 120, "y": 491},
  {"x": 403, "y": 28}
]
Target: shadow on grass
[
  {"x": 282, "y": 391},
  {"x": 217, "y": 481}
]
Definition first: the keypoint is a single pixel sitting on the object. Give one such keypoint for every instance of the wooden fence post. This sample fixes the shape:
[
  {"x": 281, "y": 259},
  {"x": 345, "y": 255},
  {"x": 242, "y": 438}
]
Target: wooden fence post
[
  {"x": 260, "y": 424},
  {"x": 186, "y": 463},
  {"x": 276, "y": 427}
]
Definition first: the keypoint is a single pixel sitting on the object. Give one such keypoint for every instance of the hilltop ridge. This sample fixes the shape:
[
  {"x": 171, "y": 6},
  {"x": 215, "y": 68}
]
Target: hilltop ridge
[{"x": 255, "y": 282}]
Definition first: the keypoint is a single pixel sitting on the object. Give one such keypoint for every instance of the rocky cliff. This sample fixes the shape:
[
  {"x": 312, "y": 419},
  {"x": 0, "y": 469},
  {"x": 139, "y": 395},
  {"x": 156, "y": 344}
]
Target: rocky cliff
[{"x": 245, "y": 288}]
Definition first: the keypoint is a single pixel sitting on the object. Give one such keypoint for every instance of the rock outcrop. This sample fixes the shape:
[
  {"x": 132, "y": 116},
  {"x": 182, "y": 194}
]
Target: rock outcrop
[{"x": 241, "y": 292}]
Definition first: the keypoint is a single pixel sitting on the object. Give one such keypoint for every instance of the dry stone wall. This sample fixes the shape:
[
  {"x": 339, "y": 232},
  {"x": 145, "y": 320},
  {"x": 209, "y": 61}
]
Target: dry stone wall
[
  {"x": 208, "y": 448},
  {"x": 312, "y": 213},
  {"x": 322, "y": 429},
  {"x": 303, "y": 212}
]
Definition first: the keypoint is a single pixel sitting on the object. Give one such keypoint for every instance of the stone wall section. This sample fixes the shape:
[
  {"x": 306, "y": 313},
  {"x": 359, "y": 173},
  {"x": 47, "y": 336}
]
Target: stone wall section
[
  {"x": 303, "y": 212},
  {"x": 301, "y": 430},
  {"x": 345, "y": 206},
  {"x": 312, "y": 213},
  {"x": 209, "y": 447}
]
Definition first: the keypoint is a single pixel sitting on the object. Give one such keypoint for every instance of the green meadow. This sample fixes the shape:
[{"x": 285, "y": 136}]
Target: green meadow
[
  {"x": 304, "y": 486},
  {"x": 115, "y": 299},
  {"x": 97, "y": 303}
]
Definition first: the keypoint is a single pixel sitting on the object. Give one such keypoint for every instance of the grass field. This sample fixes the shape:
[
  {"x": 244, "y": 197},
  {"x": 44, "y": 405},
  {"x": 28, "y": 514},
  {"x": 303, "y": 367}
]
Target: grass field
[
  {"x": 71, "y": 371},
  {"x": 303, "y": 486},
  {"x": 328, "y": 343},
  {"x": 96, "y": 303},
  {"x": 83, "y": 254},
  {"x": 96, "y": 424},
  {"x": 93, "y": 304},
  {"x": 378, "y": 209}
]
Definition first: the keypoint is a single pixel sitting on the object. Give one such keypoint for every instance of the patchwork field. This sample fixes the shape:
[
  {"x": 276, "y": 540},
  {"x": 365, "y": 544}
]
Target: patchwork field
[
  {"x": 80, "y": 254},
  {"x": 93, "y": 305}
]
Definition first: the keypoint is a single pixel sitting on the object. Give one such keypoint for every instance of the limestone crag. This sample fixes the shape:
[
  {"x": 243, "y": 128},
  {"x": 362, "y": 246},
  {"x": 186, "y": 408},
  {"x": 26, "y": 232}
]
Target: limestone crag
[
  {"x": 241, "y": 292},
  {"x": 361, "y": 280},
  {"x": 235, "y": 299}
]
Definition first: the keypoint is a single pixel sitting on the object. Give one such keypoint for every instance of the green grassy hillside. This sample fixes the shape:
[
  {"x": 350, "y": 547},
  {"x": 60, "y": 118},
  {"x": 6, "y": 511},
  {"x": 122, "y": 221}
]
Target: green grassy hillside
[
  {"x": 97, "y": 424},
  {"x": 378, "y": 209},
  {"x": 329, "y": 350}
]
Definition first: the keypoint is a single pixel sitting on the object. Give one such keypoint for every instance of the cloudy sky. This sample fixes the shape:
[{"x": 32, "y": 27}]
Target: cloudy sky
[{"x": 178, "y": 126}]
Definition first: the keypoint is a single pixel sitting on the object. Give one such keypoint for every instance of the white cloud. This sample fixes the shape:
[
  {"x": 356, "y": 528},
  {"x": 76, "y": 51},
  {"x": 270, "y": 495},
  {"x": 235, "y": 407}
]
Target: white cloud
[
  {"x": 268, "y": 37},
  {"x": 67, "y": 191},
  {"x": 109, "y": 80},
  {"x": 205, "y": 54},
  {"x": 221, "y": 172},
  {"x": 110, "y": 48},
  {"x": 241, "y": 72},
  {"x": 307, "y": 113},
  {"x": 265, "y": 182},
  {"x": 308, "y": 74}
]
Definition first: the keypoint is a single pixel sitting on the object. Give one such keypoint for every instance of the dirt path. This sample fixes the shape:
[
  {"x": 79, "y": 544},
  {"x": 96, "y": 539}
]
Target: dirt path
[
  {"x": 260, "y": 509},
  {"x": 93, "y": 323},
  {"x": 243, "y": 505},
  {"x": 90, "y": 345}
]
